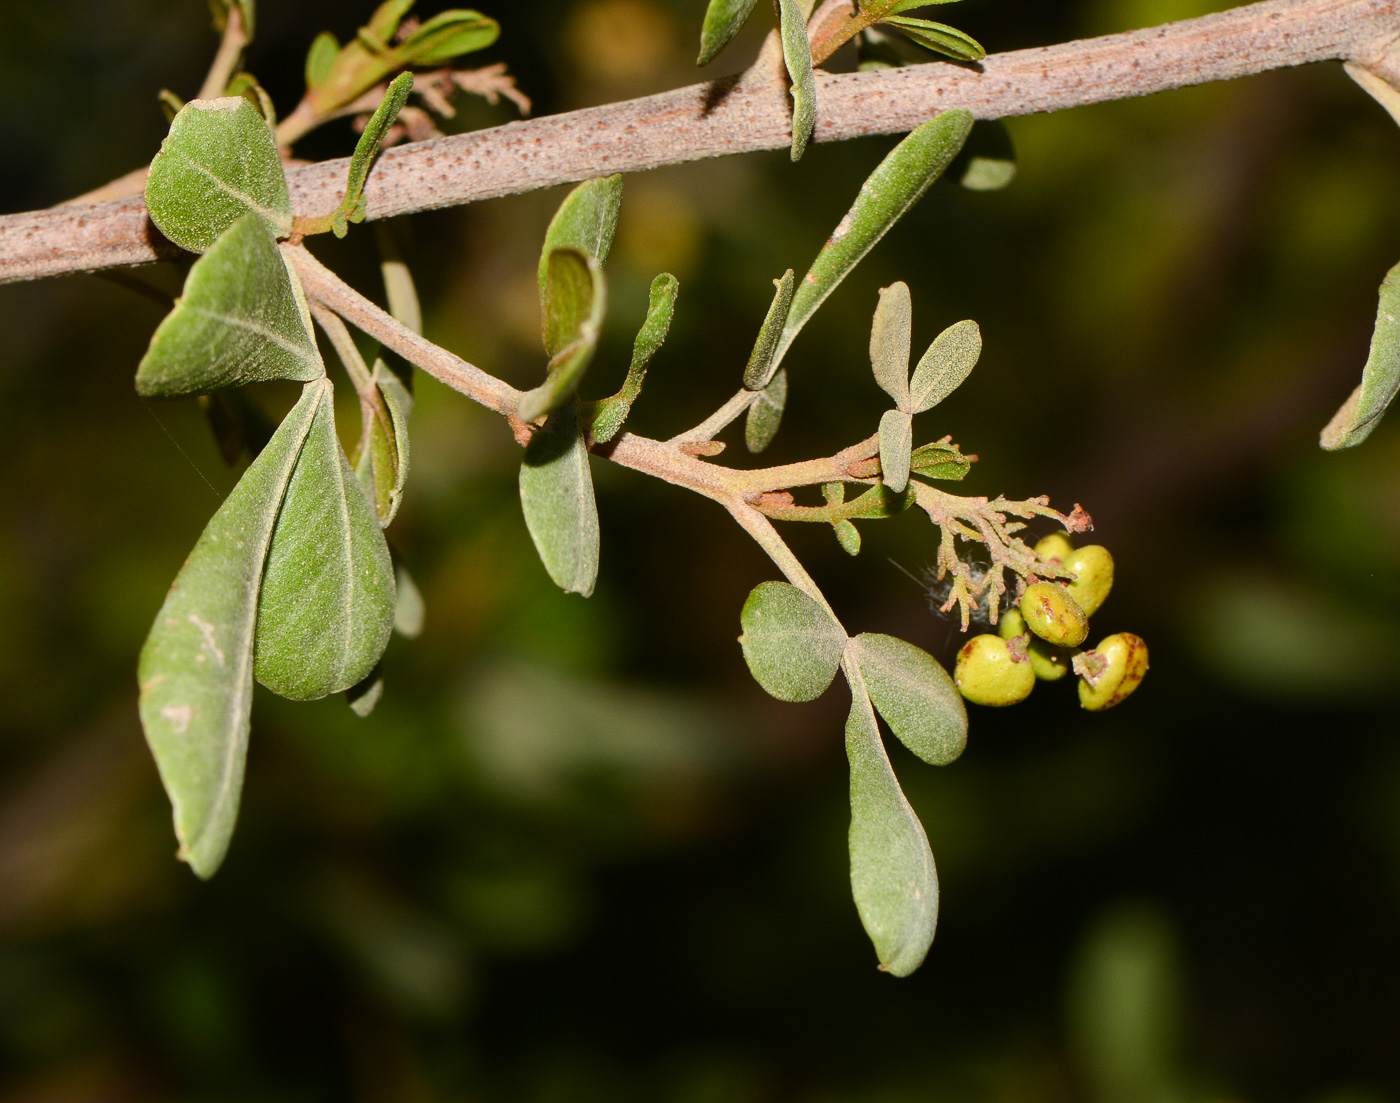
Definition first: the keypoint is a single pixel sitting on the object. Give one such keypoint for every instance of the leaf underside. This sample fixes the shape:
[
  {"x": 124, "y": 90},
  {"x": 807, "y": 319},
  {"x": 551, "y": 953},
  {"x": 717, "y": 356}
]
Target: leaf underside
[
  {"x": 896, "y": 443},
  {"x": 791, "y": 644},
  {"x": 1380, "y": 380},
  {"x": 382, "y": 466},
  {"x": 766, "y": 413},
  {"x": 890, "y": 339},
  {"x": 586, "y": 221},
  {"x": 556, "y": 493}
]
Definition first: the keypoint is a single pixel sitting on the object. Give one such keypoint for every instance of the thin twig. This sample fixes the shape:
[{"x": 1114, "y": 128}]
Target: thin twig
[{"x": 753, "y": 113}]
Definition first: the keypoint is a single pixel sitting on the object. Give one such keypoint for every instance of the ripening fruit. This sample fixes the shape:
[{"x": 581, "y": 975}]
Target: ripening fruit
[
  {"x": 1093, "y": 569},
  {"x": 1050, "y": 664},
  {"x": 987, "y": 673},
  {"x": 1055, "y": 546},
  {"x": 1053, "y": 615},
  {"x": 1122, "y": 661}
]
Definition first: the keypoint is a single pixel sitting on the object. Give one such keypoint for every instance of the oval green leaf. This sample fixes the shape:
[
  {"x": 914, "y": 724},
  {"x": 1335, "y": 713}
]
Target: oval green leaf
[
  {"x": 196, "y": 668},
  {"x": 242, "y": 319},
  {"x": 723, "y": 18},
  {"x": 327, "y": 603},
  {"x": 890, "y": 341},
  {"x": 760, "y": 369},
  {"x": 938, "y": 37},
  {"x": 766, "y": 413},
  {"x": 218, "y": 163},
  {"x": 556, "y": 492},
  {"x": 896, "y": 442},
  {"x": 448, "y": 35},
  {"x": 792, "y": 645},
  {"x": 586, "y": 221},
  {"x": 1380, "y": 380},
  {"x": 915, "y": 695},
  {"x": 382, "y": 464},
  {"x": 893, "y": 878},
  {"x": 948, "y": 361}
]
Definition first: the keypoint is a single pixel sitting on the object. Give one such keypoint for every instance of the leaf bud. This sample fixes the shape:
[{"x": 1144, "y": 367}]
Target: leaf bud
[
  {"x": 1111, "y": 671},
  {"x": 1053, "y": 615},
  {"x": 989, "y": 673},
  {"x": 1055, "y": 546},
  {"x": 1093, "y": 576}
]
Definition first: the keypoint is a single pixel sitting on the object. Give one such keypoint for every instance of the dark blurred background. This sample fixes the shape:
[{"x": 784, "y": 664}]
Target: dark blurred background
[{"x": 577, "y": 854}]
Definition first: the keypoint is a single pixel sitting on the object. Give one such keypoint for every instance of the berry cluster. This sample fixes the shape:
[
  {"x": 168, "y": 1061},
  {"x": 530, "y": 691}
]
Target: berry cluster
[{"x": 1041, "y": 638}]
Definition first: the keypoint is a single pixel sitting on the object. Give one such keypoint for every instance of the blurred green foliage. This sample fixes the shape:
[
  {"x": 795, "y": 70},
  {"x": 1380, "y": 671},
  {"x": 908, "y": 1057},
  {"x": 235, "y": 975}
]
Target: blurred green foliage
[{"x": 633, "y": 885}]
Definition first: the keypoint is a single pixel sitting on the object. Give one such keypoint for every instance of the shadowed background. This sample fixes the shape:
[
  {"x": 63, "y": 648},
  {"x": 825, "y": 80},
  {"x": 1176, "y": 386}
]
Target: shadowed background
[{"x": 577, "y": 854}]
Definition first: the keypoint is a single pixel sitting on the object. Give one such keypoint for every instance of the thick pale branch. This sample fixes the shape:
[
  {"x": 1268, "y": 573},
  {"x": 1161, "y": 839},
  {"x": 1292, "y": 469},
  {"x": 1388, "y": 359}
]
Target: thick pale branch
[{"x": 724, "y": 117}]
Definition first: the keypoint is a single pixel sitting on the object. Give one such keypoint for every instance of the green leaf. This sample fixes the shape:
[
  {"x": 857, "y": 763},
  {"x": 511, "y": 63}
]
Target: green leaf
[
  {"x": 906, "y": 5},
  {"x": 896, "y": 185},
  {"x": 363, "y": 697},
  {"x": 1379, "y": 381},
  {"x": 327, "y": 603},
  {"x": 556, "y": 491},
  {"x": 409, "y": 609},
  {"x": 196, "y": 668},
  {"x": 218, "y": 163},
  {"x": 893, "y": 878},
  {"x": 607, "y": 415},
  {"x": 988, "y": 161},
  {"x": 948, "y": 361},
  {"x": 242, "y": 319},
  {"x": 766, "y": 414},
  {"x": 320, "y": 59},
  {"x": 576, "y": 301},
  {"x": 352, "y": 205},
  {"x": 792, "y": 645},
  {"x": 878, "y": 503},
  {"x": 797, "y": 56},
  {"x": 896, "y": 441},
  {"x": 761, "y": 367},
  {"x": 938, "y": 37},
  {"x": 915, "y": 695},
  {"x": 382, "y": 464},
  {"x": 384, "y": 23},
  {"x": 890, "y": 341},
  {"x": 448, "y": 35},
  {"x": 585, "y": 221},
  {"x": 723, "y": 18},
  {"x": 848, "y": 536},
  {"x": 938, "y": 461}
]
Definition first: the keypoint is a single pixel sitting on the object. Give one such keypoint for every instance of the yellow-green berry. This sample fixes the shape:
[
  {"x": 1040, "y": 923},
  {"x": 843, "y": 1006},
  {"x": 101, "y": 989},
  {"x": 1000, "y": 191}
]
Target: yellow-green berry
[
  {"x": 1111, "y": 671},
  {"x": 1011, "y": 624},
  {"x": 1050, "y": 664},
  {"x": 1055, "y": 546},
  {"x": 989, "y": 673},
  {"x": 1053, "y": 615},
  {"x": 1093, "y": 576}
]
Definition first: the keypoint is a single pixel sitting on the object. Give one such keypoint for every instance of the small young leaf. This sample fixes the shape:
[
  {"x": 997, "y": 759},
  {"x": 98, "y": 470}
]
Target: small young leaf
[
  {"x": 938, "y": 461},
  {"x": 574, "y": 298},
  {"x": 320, "y": 59},
  {"x": 893, "y": 878},
  {"x": 196, "y": 669},
  {"x": 585, "y": 221},
  {"x": 448, "y": 35},
  {"x": 409, "y": 609},
  {"x": 988, "y": 161},
  {"x": 760, "y": 369},
  {"x": 352, "y": 206},
  {"x": 608, "y": 414},
  {"x": 382, "y": 466},
  {"x": 242, "y": 319},
  {"x": 218, "y": 163},
  {"x": 1379, "y": 381},
  {"x": 848, "y": 536},
  {"x": 766, "y": 414},
  {"x": 792, "y": 645},
  {"x": 896, "y": 441},
  {"x": 915, "y": 695},
  {"x": 797, "y": 56},
  {"x": 938, "y": 37},
  {"x": 948, "y": 361},
  {"x": 890, "y": 340},
  {"x": 327, "y": 603},
  {"x": 556, "y": 491},
  {"x": 723, "y": 18},
  {"x": 365, "y": 695},
  {"x": 896, "y": 185}
]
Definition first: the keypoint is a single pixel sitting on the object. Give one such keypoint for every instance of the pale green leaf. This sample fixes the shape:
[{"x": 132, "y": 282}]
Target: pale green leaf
[
  {"x": 896, "y": 443},
  {"x": 915, "y": 695},
  {"x": 940, "y": 461},
  {"x": 382, "y": 464},
  {"x": 608, "y": 414},
  {"x": 938, "y": 37},
  {"x": 848, "y": 536},
  {"x": 723, "y": 18},
  {"x": 792, "y": 645},
  {"x": 218, "y": 163},
  {"x": 409, "y": 609},
  {"x": 948, "y": 361},
  {"x": 766, "y": 414},
  {"x": 1379, "y": 381},
  {"x": 327, "y": 603},
  {"x": 586, "y": 221},
  {"x": 988, "y": 161},
  {"x": 904, "y": 5},
  {"x": 797, "y": 56},
  {"x": 363, "y": 696},
  {"x": 320, "y": 59},
  {"x": 399, "y": 288},
  {"x": 556, "y": 491},
  {"x": 761, "y": 367},
  {"x": 196, "y": 669},
  {"x": 352, "y": 205},
  {"x": 448, "y": 35},
  {"x": 242, "y": 319},
  {"x": 896, "y": 185},
  {"x": 574, "y": 298},
  {"x": 890, "y": 340},
  {"x": 893, "y": 878},
  {"x": 384, "y": 22}
]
